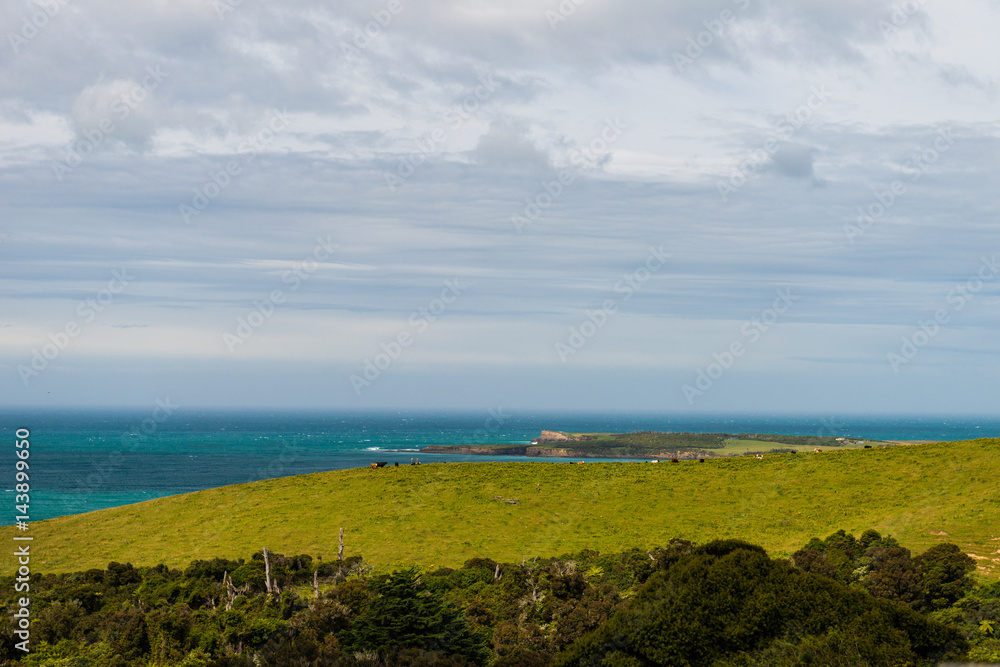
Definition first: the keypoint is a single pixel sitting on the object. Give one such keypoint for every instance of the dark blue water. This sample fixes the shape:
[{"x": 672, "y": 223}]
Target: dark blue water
[{"x": 87, "y": 460}]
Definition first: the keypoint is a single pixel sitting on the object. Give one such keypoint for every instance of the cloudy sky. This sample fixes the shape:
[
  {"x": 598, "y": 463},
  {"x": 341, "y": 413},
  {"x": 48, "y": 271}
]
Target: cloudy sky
[{"x": 678, "y": 205}]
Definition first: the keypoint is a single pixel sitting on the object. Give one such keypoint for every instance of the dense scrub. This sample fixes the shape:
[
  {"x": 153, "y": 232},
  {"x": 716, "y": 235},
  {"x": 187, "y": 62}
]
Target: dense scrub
[{"x": 839, "y": 601}]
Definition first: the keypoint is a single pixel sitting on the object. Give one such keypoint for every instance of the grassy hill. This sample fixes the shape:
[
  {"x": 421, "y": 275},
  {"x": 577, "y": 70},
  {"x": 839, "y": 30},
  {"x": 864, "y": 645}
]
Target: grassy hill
[{"x": 443, "y": 514}]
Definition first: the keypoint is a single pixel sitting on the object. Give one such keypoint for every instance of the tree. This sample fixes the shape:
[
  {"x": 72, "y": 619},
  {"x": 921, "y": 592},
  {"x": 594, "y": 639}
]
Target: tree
[
  {"x": 810, "y": 560},
  {"x": 404, "y": 614},
  {"x": 893, "y": 575},
  {"x": 946, "y": 573},
  {"x": 729, "y": 603}
]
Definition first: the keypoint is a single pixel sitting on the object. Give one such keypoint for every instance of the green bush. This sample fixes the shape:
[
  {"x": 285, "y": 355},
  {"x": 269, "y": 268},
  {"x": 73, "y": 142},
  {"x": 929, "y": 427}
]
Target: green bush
[
  {"x": 404, "y": 614},
  {"x": 727, "y": 601}
]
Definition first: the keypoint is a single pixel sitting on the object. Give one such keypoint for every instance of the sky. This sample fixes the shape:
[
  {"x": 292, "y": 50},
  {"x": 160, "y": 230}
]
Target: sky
[{"x": 768, "y": 206}]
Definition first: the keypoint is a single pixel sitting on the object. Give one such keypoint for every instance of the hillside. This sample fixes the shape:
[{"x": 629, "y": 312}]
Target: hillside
[{"x": 442, "y": 514}]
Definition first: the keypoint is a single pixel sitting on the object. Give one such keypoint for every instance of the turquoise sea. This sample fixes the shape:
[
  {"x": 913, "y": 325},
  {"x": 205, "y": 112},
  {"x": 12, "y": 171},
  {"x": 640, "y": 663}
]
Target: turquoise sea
[{"x": 85, "y": 460}]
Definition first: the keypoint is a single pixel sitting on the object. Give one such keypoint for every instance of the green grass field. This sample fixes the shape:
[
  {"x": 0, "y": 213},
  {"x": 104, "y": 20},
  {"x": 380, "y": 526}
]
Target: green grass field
[
  {"x": 443, "y": 514},
  {"x": 737, "y": 447}
]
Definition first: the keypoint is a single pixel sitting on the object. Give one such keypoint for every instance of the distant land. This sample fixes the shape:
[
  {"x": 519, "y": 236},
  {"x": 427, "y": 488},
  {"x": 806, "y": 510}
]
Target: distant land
[{"x": 659, "y": 445}]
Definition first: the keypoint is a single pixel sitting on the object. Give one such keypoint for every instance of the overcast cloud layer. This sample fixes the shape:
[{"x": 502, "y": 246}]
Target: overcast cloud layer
[{"x": 720, "y": 205}]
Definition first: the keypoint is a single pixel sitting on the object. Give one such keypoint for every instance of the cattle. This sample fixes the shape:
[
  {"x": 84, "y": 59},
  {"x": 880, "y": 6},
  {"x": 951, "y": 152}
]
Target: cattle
[
  {"x": 868, "y": 446},
  {"x": 701, "y": 460},
  {"x": 817, "y": 450},
  {"x": 673, "y": 461},
  {"x": 758, "y": 456},
  {"x": 380, "y": 464}
]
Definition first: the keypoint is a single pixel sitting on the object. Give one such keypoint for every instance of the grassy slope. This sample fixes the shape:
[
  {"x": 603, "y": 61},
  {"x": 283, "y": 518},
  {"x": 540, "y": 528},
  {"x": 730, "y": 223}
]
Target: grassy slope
[
  {"x": 442, "y": 514},
  {"x": 738, "y": 447}
]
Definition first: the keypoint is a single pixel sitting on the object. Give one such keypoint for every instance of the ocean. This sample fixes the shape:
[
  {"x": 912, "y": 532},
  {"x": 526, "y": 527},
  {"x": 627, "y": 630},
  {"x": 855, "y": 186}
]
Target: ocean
[{"x": 85, "y": 460}]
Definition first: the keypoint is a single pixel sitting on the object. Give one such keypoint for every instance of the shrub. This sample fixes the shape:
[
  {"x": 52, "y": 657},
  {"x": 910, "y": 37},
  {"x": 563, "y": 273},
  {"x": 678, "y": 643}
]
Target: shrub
[{"x": 729, "y": 603}]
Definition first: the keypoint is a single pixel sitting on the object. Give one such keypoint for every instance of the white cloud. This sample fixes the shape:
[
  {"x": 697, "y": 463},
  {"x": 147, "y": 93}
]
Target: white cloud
[{"x": 359, "y": 116}]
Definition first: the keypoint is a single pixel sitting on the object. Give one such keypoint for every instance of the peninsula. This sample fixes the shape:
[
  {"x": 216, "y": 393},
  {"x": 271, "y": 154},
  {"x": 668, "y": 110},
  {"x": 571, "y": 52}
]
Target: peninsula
[{"x": 659, "y": 445}]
